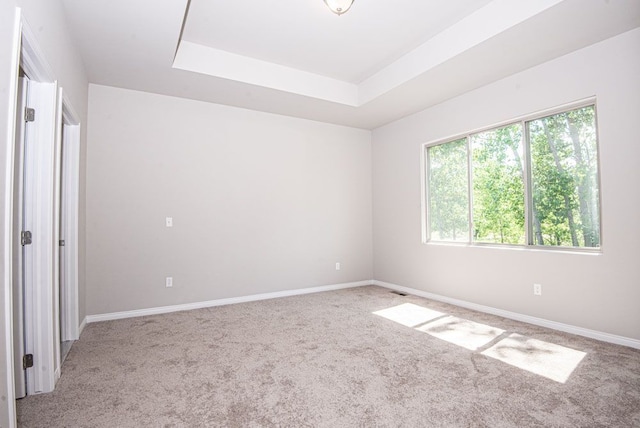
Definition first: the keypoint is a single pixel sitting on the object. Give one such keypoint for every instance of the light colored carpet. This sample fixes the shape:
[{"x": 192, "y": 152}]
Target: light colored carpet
[{"x": 362, "y": 357}]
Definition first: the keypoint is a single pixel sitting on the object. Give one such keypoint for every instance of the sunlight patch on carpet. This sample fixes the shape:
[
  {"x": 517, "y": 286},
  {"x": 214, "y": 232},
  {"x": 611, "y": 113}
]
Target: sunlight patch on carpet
[
  {"x": 468, "y": 334},
  {"x": 409, "y": 315},
  {"x": 546, "y": 359}
]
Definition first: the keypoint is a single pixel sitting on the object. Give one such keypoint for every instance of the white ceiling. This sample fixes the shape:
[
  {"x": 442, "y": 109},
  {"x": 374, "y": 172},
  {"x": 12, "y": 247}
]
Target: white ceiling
[
  {"x": 304, "y": 35},
  {"x": 366, "y": 68}
]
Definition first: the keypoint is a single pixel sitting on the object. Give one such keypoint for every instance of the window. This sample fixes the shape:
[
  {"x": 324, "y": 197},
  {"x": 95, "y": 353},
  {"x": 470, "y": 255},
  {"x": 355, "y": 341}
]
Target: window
[
  {"x": 532, "y": 182},
  {"x": 498, "y": 186},
  {"x": 449, "y": 201}
]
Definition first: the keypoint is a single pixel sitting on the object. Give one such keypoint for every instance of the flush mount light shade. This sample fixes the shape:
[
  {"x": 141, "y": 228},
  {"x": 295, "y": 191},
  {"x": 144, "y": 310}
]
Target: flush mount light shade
[{"x": 339, "y": 6}]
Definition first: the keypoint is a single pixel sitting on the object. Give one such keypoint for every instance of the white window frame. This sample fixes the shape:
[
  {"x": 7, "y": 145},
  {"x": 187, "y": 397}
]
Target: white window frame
[{"x": 529, "y": 238}]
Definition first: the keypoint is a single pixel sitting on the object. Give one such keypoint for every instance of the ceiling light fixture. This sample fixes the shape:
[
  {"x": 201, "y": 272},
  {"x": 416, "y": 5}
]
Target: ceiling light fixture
[{"x": 339, "y": 6}]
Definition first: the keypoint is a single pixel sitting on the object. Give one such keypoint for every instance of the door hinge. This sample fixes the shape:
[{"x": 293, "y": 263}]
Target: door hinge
[
  {"x": 61, "y": 243},
  {"x": 27, "y": 361},
  {"x": 29, "y": 114},
  {"x": 25, "y": 238}
]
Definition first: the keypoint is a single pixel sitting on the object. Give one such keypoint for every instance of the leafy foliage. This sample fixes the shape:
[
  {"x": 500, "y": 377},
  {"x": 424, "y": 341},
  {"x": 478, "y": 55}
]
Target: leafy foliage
[
  {"x": 498, "y": 186},
  {"x": 565, "y": 179}
]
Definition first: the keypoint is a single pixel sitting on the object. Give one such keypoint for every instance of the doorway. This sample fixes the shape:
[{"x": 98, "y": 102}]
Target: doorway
[
  {"x": 44, "y": 278},
  {"x": 68, "y": 191}
]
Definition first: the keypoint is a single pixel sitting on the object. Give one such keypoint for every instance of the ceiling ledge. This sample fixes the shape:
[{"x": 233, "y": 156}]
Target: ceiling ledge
[
  {"x": 493, "y": 19},
  {"x": 214, "y": 62},
  {"x": 496, "y": 18}
]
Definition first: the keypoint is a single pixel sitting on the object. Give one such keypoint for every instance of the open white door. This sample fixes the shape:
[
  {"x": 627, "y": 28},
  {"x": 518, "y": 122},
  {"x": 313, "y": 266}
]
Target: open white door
[
  {"x": 35, "y": 324},
  {"x": 38, "y": 254},
  {"x": 18, "y": 277}
]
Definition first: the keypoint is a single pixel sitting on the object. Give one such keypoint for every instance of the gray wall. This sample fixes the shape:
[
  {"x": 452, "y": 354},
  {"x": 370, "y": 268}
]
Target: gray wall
[
  {"x": 46, "y": 18},
  {"x": 260, "y": 202},
  {"x": 600, "y": 292},
  {"x": 264, "y": 203}
]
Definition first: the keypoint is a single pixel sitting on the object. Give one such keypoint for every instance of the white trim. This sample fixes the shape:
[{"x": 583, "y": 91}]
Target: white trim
[
  {"x": 33, "y": 60},
  {"x": 7, "y": 280},
  {"x": 57, "y": 179},
  {"x": 424, "y": 194},
  {"x": 71, "y": 174},
  {"x": 69, "y": 114},
  {"x": 567, "y": 328},
  {"x": 221, "y": 302}
]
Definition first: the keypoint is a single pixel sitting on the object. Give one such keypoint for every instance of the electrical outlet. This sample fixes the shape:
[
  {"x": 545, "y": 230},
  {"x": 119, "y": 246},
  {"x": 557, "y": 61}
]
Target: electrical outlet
[
  {"x": 169, "y": 282},
  {"x": 338, "y": 266},
  {"x": 169, "y": 221},
  {"x": 537, "y": 289}
]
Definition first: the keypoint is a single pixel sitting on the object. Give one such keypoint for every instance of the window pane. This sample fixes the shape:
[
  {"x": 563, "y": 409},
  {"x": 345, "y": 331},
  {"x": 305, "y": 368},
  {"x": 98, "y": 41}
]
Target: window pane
[
  {"x": 564, "y": 184},
  {"x": 498, "y": 186},
  {"x": 448, "y": 205}
]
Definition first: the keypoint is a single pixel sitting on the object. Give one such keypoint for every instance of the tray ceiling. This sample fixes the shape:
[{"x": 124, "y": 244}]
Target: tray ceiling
[{"x": 377, "y": 63}]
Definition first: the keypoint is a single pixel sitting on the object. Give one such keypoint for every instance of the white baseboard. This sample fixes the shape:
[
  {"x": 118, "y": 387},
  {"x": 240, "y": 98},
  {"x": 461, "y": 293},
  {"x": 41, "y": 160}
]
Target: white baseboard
[
  {"x": 220, "y": 302},
  {"x": 593, "y": 334},
  {"x": 567, "y": 328}
]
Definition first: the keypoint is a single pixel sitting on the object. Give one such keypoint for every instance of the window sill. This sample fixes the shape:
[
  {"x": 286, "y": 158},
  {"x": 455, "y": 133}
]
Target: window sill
[{"x": 529, "y": 248}]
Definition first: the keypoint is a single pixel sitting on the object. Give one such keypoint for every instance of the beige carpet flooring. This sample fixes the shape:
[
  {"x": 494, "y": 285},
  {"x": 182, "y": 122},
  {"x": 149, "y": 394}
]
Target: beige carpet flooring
[{"x": 361, "y": 357}]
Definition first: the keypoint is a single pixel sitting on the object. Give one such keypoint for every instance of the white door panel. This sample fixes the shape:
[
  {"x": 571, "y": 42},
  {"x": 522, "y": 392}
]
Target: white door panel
[
  {"x": 39, "y": 193},
  {"x": 18, "y": 201}
]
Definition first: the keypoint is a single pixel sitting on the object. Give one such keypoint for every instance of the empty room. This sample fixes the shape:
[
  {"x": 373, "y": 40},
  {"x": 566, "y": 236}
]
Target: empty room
[{"x": 320, "y": 213}]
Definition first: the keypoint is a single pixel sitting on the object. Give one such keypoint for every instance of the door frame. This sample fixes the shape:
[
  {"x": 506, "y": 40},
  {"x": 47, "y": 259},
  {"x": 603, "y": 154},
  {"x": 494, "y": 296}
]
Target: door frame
[
  {"x": 67, "y": 181},
  {"x": 45, "y": 326},
  {"x": 7, "y": 279}
]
